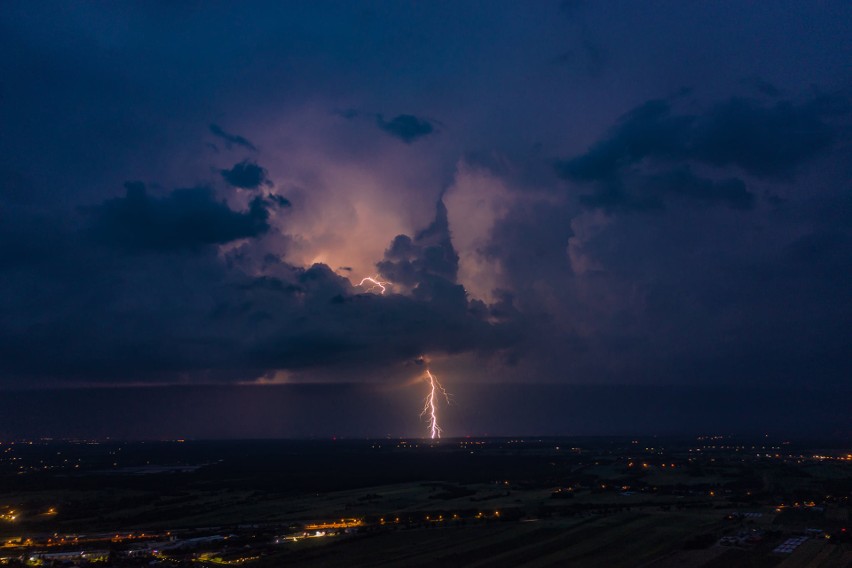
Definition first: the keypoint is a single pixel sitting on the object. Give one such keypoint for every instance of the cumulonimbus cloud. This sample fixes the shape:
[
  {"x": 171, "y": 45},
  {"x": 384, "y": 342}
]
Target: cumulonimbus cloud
[{"x": 647, "y": 157}]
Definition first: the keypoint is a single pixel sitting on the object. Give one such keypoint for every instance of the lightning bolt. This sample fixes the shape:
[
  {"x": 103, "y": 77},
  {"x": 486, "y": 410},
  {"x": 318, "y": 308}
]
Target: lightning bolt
[
  {"x": 375, "y": 283},
  {"x": 430, "y": 409}
]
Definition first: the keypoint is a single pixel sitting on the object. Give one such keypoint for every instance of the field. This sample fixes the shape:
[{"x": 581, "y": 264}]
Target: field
[
  {"x": 623, "y": 539},
  {"x": 544, "y": 502}
]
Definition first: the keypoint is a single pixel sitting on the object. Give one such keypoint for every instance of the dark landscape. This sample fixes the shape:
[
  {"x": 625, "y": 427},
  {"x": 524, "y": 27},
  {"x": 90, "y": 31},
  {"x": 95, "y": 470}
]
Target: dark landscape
[{"x": 710, "y": 501}]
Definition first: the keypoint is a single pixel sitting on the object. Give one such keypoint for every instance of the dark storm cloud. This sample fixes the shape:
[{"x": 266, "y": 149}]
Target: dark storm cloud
[
  {"x": 651, "y": 191},
  {"x": 230, "y": 139},
  {"x": 185, "y": 311},
  {"x": 247, "y": 175},
  {"x": 647, "y": 131},
  {"x": 371, "y": 331},
  {"x": 765, "y": 141},
  {"x": 406, "y": 127},
  {"x": 183, "y": 219},
  {"x": 428, "y": 264},
  {"x": 715, "y": 285},
  {"x": 348, "y": 326},
  {"x": 762, "y": 140}
]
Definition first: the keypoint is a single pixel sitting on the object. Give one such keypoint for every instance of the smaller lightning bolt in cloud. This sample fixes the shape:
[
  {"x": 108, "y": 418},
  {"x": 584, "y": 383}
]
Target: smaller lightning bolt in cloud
[
  {"x": 373, "y": 284},
  {"x": 430, "y": 405}
]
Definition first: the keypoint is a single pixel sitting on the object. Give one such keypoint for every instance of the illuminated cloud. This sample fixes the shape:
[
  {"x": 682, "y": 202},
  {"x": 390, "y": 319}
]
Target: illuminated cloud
[{"x": 563, "y": 218}]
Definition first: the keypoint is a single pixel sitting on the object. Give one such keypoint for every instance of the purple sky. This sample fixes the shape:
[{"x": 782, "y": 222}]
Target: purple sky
[{"x": 581, "y": 193}]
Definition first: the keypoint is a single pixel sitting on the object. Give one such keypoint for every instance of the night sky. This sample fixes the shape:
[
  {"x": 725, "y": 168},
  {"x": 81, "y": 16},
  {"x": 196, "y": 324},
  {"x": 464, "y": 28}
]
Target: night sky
[{"x": 589, "y": 217}]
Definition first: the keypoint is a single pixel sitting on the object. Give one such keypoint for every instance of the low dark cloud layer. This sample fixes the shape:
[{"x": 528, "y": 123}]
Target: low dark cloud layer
[
  {"x": 183, "y": 311},
  {"x": 184, "y": 218}
]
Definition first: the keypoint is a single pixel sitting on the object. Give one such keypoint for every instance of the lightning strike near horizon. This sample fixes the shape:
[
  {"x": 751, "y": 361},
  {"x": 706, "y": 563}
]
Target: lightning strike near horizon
[
  {"x": 430, "y": 409},
  {"x": 375, "y": 283}
]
